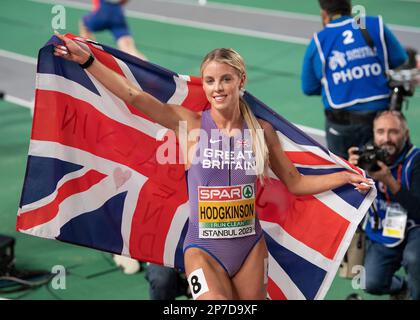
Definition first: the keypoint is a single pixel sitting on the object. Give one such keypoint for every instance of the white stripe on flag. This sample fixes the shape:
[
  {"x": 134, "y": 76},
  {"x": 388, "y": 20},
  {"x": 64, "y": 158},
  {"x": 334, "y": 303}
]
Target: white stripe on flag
[
  {"x": 51, "y": 197},
  {"x": 289, "y": 145},
  {"x": 116, "y": 106},
  {"x": 283, "y": 281},
  {"x": 181, "y": 91},
  {"x": 78, "y": 204},
  {"x": 177, "y": 224},
  {"x": 56, "y": 150},
  {"x": 344, "y": 164},
  {"x": 287, "y": 241},
  {"x": 110, "y": 105},
  {"x": 127, "y": 72},
  {"x": 130, "y": 206},
  {"x": 342, "y": 249},
  {"x": 298, "y": 165},
  {"x": 340, "y": 206}
]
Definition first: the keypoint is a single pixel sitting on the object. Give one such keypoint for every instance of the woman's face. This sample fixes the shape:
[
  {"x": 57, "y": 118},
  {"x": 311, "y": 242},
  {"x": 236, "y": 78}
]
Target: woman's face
[{"x": 221, "y": 83}]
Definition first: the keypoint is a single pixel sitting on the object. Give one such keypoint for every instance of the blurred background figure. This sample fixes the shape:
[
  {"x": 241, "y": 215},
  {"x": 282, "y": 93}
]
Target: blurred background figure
[
  {"x": 109, "y": 15},
  {"x": 166, "y": 283},
  {"x": 128, "y": 265}
]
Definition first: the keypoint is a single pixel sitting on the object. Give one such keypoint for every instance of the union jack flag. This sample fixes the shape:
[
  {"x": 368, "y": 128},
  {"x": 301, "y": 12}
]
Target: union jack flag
[{"x": 92, "y": 177}]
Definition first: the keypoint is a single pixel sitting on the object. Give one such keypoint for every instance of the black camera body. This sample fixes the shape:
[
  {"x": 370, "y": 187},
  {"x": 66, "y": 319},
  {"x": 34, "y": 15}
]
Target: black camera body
[
  {"x": 403, "y": 81},
  {"x": 402, "y": 85},
  {"x": 369, "y": 155}
]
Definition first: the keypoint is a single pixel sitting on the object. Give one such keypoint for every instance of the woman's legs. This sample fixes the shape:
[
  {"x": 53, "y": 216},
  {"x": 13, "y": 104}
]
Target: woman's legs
[
  {"x": 381, "y": 263},
  {"x": 126, "y": 44},
  {"x": 84, "y": 31},
  {"x": 214, "y": 276},
  {"x": 250, "y": 282}
]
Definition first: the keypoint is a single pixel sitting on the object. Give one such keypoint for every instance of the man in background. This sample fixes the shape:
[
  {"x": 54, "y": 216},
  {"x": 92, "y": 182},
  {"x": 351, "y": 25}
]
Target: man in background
[{"x": 392, "y": 225}]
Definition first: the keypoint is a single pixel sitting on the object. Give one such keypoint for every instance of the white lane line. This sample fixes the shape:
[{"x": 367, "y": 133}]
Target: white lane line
[
  {"x": 191, "y": 23},
  {"x": 397, "y": 27},
  {"x": 17, "y": 56},
  {"x": 230, "y": 7},
  {"x": 285, "y": 14},
  {"x": 18, "y": 101},
  {"x": 219, "y": 28},
  {"x": 251, "y": 10}
]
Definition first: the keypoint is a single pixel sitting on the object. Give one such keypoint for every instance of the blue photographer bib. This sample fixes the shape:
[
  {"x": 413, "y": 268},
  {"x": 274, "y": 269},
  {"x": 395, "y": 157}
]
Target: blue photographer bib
[{"x": 353, "y": 72}]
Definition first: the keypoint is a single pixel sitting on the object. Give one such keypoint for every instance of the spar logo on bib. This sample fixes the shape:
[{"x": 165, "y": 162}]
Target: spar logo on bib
[
  {"x": 248, "y": 191},
  {"x": 226, "y": 212}
]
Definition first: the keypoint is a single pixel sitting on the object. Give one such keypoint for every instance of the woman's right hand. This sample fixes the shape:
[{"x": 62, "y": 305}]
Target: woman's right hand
[
  {"x": 353, "y": 155},
  {"x": 70, "y": 51}
]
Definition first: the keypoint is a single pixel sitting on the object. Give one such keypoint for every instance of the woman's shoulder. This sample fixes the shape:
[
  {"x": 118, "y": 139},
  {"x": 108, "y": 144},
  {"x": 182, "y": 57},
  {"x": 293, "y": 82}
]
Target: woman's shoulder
[{"x": 265, "y": 125}]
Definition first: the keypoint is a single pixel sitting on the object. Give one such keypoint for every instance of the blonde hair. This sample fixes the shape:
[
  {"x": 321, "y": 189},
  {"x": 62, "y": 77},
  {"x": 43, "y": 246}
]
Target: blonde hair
[{"x": 234, "y": 59}]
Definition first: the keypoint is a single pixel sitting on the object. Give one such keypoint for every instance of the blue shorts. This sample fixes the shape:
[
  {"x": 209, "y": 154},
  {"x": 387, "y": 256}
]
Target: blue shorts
[{"x": 108, "y": 17}]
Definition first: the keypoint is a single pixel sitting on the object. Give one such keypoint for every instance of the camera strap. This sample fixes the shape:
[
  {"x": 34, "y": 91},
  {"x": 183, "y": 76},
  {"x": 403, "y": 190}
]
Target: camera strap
[
  {"x": 368, "y": 38},
  {"x": 369, "y": 42},
  {"x": 399, "y": 174}
]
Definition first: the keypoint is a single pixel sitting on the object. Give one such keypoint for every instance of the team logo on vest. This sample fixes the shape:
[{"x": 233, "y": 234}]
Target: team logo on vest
[
  {"x": 337, "y": 59},
  {"x": 226, "y": 211}
]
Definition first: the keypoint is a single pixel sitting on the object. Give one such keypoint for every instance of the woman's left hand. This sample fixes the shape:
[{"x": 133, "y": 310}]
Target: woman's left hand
[
  {"x": 70, "y": 50},
  {"x": 360, "y": 183}
]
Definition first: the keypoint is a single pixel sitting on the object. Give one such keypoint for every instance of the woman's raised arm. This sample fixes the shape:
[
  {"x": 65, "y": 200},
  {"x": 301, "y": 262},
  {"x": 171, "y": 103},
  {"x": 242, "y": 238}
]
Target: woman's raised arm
[{"x": 167, "y": 115}]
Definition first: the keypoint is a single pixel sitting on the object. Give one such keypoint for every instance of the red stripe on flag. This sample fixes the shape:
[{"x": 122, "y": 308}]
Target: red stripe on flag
[
  {"x": 360, "y": 171},
  {"x": 110, "y": 61},
  {"x": 48, "y": 212},
  {"x": 106, "y": 59},
  {"x": 307, "y": 158},
  {"x": 158, "y": 201},
  {"x": 303, "y": 217},
  {"x": 196, "y": 99},
  {"x": 81, "y": 126},
  {"x": 274, "y": 291}
]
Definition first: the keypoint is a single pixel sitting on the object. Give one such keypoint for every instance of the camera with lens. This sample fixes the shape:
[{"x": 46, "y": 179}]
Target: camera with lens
[
  {"x": 403, "y": 81},
  {"x": 369, "y": 155}
]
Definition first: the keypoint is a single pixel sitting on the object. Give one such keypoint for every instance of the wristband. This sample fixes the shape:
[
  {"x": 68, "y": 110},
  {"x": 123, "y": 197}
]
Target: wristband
[{"x": 88, "y": 63}]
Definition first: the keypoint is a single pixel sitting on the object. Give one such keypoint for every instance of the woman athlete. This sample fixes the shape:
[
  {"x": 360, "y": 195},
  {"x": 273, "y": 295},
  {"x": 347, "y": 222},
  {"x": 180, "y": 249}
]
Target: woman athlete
[{"x": 225, "y": 255}]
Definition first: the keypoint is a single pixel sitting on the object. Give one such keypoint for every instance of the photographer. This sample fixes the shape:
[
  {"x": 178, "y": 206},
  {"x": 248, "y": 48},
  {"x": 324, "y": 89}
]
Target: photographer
[
  {"x": 165, "y": 283},
  {"x": 392, "y": 224},
  {"x": 347, "y": 63}
]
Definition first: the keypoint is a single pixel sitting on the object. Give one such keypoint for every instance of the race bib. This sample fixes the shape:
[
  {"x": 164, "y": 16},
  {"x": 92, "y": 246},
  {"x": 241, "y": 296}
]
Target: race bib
[
  {"x": 395, "y": 222},
  {"x": 226, "y": 212}
]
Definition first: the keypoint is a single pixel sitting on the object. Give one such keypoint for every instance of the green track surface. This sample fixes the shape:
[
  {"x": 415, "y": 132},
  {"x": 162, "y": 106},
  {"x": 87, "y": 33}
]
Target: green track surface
[
  {"x": 393, "y": 11},
  {"x": 274, "y": 77}
]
